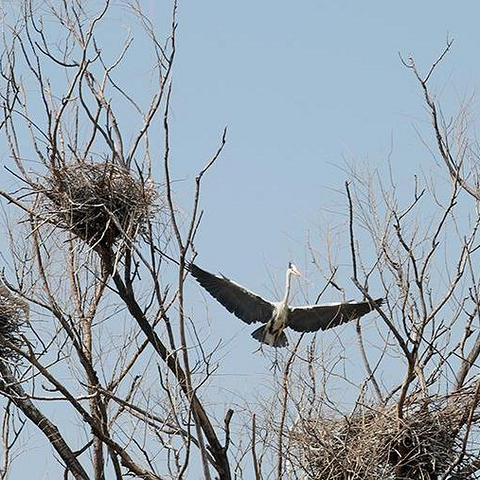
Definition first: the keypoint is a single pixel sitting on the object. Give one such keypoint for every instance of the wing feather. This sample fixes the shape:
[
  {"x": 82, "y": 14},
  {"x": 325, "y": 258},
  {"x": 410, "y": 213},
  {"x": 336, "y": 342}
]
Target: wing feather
[
  {"x": 322, "y": 317},
  {"x": 246, "y": 305}
]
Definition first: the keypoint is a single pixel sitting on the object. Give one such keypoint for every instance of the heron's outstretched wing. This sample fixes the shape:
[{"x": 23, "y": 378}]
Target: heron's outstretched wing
[
  {"x": 321, "y": 317},
  {"x": 238, "y": 300}
]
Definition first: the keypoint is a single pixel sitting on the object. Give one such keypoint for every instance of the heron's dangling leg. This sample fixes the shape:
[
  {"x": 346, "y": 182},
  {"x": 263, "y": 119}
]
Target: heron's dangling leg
[{"x": 275, "y": 363}]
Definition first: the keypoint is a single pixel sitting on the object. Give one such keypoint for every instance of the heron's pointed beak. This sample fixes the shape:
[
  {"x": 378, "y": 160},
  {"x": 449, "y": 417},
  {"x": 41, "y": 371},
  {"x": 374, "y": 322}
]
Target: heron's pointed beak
[{"x": 295, "y": 271}]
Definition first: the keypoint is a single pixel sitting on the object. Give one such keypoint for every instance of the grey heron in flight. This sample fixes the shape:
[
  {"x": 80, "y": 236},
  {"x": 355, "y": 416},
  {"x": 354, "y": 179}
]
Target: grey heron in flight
[{"x": 276, "y": 316}]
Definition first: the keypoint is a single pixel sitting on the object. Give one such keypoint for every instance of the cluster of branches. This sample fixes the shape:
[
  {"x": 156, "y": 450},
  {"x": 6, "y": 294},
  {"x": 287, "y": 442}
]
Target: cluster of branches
[
  {"x": 417, "y": 408},
  {"x": 97, "y": 231}
]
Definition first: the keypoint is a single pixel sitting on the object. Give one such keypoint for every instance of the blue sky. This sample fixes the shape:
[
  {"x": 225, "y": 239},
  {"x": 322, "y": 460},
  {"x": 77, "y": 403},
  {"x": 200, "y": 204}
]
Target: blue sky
[{"x": 302, "y": 87}]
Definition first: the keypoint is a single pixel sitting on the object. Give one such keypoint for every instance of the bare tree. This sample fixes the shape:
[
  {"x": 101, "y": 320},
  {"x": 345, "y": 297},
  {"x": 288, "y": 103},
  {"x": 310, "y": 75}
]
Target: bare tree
[
  {"x": 416, "y": 415},
  {"x": 97, "y": 231}
]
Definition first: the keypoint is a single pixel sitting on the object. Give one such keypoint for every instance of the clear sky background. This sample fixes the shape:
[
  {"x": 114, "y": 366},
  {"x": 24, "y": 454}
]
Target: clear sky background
[{"x": 302, "y": 86}]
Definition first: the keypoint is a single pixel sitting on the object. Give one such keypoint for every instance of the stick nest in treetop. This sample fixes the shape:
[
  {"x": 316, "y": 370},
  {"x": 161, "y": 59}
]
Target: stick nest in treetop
[
  {"x": 13, "y": 314},
  {"x": 99, "y": 202},
  {"x": 377, "y": 445}
]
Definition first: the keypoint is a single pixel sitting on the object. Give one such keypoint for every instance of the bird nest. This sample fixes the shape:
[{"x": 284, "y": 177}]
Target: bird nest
[
  {"x": 377, "y": 445},
  {"x": 99, "y": 202},
  {"x": 13, "y": 314}
]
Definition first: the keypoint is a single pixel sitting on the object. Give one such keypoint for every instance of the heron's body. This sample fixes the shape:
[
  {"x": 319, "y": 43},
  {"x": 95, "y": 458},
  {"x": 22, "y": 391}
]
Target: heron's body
[
  {"x": 272, "y": 333},
  {"x": 276, "y": 316}
]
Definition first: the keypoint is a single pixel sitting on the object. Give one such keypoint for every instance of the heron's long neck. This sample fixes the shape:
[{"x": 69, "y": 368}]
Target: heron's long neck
[{"x": 287, "y": 286}]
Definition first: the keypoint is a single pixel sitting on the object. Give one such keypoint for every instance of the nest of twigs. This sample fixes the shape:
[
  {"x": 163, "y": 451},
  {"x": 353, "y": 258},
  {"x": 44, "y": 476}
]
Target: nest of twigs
[
  {"x": 377, "y": 445},
  {"x": 13, "y": 314},
  {"x": 100, "y": 202}
]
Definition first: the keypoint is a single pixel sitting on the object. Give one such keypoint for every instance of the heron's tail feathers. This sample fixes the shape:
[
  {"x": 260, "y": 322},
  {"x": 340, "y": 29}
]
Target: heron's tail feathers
[{"x": 274, "y": 340}]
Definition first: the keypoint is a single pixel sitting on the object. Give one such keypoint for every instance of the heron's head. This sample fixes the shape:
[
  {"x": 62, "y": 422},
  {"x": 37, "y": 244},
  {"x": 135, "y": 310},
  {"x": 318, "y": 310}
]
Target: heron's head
[{"x": 294, "y": 270}]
